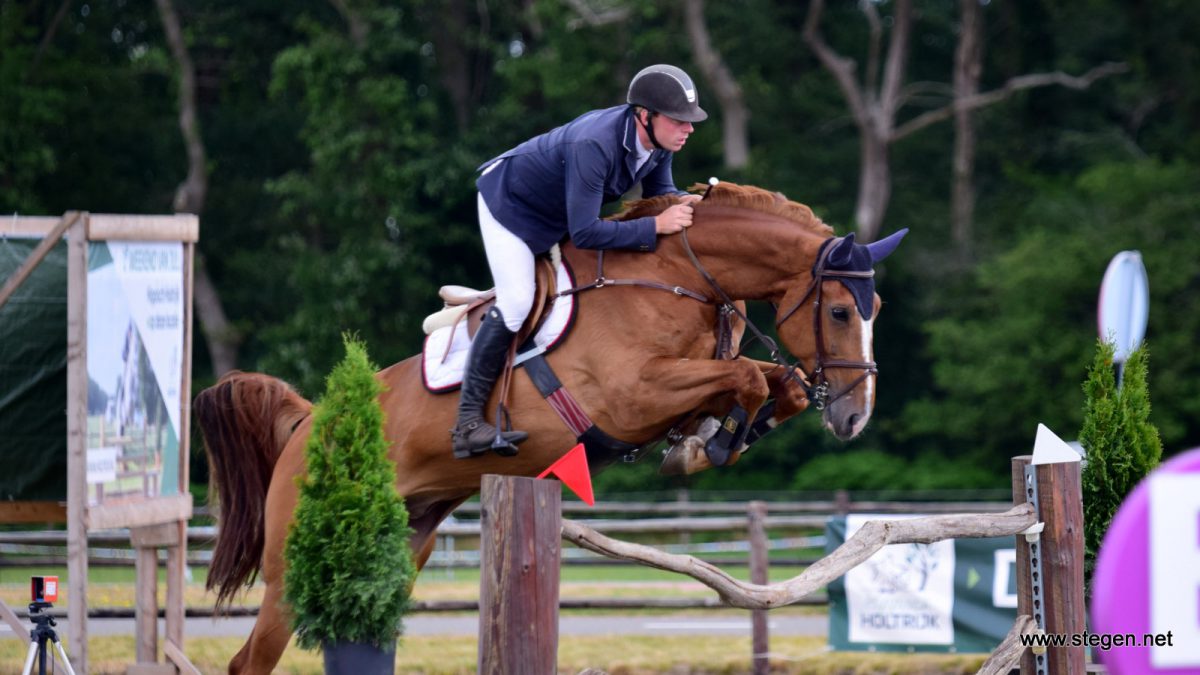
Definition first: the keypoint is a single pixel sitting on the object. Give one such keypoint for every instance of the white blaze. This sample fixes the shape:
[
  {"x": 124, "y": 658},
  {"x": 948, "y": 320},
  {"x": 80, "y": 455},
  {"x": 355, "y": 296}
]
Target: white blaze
[{"x": 868, "y": 383}]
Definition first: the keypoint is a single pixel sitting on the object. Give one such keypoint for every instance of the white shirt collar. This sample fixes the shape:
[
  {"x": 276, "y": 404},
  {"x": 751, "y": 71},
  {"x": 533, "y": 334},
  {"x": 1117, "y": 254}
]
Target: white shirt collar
[{"x": 642, "y": 153}]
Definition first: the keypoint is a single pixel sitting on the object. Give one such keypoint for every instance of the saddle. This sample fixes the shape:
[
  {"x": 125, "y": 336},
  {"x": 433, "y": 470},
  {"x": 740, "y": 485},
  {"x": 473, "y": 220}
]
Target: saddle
[{"x": 462, "y": 302}]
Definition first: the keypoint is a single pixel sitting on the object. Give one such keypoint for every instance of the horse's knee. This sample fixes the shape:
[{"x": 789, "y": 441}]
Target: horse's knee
[{"x": 753, "y": 387}]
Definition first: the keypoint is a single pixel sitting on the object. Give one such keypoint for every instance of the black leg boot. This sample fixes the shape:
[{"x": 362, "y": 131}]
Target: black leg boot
[{"x": 473, "y": 435}]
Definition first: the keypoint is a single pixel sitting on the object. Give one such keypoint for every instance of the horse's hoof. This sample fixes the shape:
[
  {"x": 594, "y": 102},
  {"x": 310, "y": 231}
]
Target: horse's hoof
[
  {"x": 684, "y": 458},
  {"x": 687, "y": 456}
]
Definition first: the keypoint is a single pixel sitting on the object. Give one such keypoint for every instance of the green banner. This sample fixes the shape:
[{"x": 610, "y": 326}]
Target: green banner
[
  {"x": 951, "y": 596},
  {"x": 33, "y": 375}
]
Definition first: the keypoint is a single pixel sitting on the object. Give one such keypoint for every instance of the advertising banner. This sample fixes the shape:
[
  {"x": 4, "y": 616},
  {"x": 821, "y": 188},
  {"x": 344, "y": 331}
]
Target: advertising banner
[
  {"x": 949, "y": 596},
  {"x": 135, "y": 333}
]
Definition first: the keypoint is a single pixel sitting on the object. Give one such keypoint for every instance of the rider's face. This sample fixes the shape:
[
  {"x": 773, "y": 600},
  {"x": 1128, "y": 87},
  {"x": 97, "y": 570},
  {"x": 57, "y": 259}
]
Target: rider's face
[{"x": 670, "y": 132}]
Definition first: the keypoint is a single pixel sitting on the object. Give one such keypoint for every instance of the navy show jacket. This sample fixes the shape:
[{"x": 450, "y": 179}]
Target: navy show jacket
[{"x": 554, "y": 184}]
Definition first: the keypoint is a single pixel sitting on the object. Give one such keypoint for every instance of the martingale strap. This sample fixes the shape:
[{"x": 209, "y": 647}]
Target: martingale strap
[
  {"x": 602, "y": 449},
  {"x": 602, "y": 281}
]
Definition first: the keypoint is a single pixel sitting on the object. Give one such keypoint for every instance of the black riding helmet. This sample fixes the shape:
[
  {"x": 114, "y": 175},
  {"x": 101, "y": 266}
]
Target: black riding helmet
[{"x": 667, "y": 90}]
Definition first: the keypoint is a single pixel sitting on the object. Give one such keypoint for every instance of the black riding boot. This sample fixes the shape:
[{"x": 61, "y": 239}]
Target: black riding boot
[{"x": 473, "y": 435}]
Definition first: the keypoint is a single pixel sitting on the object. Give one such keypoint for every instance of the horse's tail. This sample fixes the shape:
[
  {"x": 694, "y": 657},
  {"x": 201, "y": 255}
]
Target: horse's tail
[{"x": 246, "y": 420}]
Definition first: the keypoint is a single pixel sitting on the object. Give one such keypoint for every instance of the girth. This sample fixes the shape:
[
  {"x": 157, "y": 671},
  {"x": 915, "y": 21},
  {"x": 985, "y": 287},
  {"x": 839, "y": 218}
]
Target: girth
[{"x": 602, "y": 449}]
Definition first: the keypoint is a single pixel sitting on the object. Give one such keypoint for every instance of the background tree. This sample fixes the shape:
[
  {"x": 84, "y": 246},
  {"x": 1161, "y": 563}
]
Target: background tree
[
  {"x": 735, "y": 141},
  {"x": 340, "y": 140},
  {"x": 190, "y": 197},
  {"x": 876, "y": 102}
]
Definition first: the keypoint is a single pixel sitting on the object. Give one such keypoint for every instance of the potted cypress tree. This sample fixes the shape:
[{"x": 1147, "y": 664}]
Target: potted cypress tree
[
  {"x": 1122, "y": 444},
  {"x": 349, "y": 566}
]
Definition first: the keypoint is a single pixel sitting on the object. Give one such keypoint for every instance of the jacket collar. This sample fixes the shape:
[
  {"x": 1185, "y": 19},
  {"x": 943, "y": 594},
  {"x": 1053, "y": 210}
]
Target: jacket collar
[{"x": 628, "y": 142}]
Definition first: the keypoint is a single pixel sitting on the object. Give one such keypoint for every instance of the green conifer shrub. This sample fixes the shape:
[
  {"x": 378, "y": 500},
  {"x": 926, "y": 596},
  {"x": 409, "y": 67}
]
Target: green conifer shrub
[
  {"x": 349, "y": 565},
  {"x": 1122, "y": 444}
]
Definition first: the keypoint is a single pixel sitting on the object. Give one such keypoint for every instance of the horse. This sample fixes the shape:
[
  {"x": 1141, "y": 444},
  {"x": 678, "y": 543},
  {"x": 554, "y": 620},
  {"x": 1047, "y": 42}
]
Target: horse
[{"x": 638, "y": 360}]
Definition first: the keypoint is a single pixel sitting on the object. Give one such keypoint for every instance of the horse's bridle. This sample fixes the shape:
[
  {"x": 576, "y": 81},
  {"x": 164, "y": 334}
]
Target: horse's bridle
[
  {"x": 816, "y": 383},
  {"x": 817, "y": 380}
]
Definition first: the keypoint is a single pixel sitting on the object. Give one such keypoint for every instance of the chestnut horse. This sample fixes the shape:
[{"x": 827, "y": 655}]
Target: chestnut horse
[{"x": 638, "y": 360}]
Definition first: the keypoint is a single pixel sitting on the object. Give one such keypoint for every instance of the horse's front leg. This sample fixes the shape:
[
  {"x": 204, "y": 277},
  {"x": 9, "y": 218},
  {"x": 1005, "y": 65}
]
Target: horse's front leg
[{"x": 671, "y": 387}]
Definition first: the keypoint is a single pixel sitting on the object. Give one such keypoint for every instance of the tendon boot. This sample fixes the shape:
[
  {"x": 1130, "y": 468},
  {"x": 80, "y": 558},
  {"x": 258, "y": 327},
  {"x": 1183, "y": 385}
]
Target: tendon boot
[
  {"x": 729, "y": 437},
  {"x": 473, "y": 435}
]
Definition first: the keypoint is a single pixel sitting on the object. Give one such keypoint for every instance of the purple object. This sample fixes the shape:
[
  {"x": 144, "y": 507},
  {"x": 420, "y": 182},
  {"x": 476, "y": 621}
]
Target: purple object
[{"x": 1123, "y": 590}]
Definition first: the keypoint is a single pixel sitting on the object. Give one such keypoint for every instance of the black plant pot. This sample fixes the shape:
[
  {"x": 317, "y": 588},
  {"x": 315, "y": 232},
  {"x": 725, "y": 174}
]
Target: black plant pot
[{"x": 353, "y": 658}]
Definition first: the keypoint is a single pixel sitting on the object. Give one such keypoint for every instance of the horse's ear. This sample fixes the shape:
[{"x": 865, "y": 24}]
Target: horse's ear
[
  {"x": 884, "y": 247},
  {"x": 839, "y": 255}
]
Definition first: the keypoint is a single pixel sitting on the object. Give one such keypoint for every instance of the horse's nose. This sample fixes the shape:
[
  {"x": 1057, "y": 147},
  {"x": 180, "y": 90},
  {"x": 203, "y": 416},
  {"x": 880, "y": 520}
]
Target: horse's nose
[{"x": 852, "y": 421}]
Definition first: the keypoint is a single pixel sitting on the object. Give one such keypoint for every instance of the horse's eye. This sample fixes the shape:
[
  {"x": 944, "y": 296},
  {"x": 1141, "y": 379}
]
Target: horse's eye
[{"x": 841, "y": 314}]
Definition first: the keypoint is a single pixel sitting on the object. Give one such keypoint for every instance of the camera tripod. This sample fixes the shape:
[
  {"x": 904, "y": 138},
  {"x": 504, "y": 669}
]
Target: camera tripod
[{"x": 43, "y": 633}]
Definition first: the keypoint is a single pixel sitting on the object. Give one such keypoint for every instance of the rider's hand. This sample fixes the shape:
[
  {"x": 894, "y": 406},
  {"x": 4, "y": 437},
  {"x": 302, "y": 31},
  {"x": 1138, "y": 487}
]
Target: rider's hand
[
  {"x": 673, "y": 219},
  {"x": 689, "y": 198}
]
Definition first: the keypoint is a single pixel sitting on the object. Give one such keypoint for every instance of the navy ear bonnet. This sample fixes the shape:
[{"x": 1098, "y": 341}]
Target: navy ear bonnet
[{"x": 848, "y": 256}]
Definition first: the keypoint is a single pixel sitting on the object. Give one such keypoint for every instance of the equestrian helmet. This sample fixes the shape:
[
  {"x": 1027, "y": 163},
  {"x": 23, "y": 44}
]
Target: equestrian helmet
[{"x": 668, "y": 90}]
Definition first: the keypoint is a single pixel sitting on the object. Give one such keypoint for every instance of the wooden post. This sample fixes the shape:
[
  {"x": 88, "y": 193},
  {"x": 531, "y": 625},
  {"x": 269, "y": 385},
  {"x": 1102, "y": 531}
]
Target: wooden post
[
  {"x": 520, "y": 548},
  {"x": 176, "y": 573},
  {"x": 77, "y": 387},
  {"x": 1060, "y": 550},
  {"x": 146, "y": 541},
  {"x": 683, "y": 497},
  {"x": 841, "y": 502},
  {"x": 760, "y": 639},
  {"x": 146, "y": 605},
  {"x": 177, "y": 554}
]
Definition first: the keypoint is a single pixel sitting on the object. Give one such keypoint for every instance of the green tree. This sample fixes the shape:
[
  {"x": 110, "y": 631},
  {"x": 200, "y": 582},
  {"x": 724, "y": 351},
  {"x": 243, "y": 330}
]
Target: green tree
[
  {"x": 350, "y": 569},
  {"x": 1011, "y": 339},
  {"x": 375, "y": 217},
  {"x": 1122, "y": 444}
]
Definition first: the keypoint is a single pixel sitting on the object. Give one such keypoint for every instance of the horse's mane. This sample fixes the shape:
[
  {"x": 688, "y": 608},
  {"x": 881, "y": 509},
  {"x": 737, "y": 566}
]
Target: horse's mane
[{"x": 732, "y": 194}]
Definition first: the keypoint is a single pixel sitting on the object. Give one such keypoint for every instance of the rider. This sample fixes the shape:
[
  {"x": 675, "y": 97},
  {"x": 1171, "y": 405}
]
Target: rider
[{"x": 552, "y": 186}]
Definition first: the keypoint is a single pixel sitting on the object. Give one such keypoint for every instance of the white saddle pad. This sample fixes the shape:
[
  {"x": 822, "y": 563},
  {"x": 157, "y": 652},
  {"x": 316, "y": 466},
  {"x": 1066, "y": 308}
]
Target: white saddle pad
[{"x": 444, "y": 357}]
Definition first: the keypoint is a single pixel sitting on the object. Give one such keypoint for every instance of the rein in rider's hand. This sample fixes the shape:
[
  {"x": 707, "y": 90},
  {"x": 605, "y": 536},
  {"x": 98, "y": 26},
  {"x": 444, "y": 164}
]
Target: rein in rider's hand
[{"x": 674, "y": 219}]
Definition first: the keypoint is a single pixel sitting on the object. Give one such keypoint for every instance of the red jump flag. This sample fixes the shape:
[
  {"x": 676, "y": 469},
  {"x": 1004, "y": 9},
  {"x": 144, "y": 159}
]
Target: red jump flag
[{"x": 572, "y": 470}]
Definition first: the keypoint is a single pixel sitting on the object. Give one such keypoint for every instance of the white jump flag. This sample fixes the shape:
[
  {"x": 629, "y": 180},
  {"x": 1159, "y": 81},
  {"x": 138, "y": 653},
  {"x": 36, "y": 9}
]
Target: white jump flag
[{"x": 1050, "y": 449}]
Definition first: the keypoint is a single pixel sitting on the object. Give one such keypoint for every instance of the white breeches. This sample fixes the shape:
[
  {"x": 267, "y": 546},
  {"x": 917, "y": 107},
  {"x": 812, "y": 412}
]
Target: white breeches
[{"x": 511, "y": 262}]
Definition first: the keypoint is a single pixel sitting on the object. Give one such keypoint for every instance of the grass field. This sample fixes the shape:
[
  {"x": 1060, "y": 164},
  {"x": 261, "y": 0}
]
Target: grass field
[
  {"x": 113, "y": 586},
  {"x": 453, "y": 654}
]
